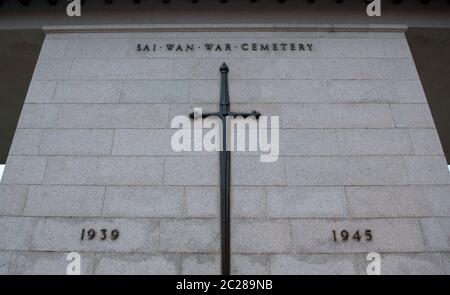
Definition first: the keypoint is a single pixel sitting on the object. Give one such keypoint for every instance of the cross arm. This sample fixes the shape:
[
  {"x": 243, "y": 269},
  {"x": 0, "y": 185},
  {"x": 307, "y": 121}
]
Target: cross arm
[
  {"x": 245, "y": 115},
  {"x": 194, "y": 115}
]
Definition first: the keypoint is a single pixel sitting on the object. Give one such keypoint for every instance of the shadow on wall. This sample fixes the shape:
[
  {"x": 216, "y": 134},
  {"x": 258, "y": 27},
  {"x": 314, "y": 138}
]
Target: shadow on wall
[
  {"x": 430, "y": 50},
  {"x": 19, "y": 50}
]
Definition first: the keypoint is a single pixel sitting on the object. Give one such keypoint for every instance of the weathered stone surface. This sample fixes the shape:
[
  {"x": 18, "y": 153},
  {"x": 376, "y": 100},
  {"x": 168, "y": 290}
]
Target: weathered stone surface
[
  {"x": 115, "y": 68},
  {"x": 436, "y": 232},
  {"x": 16, "y": 233},
  {"x": 24, "y": 170},
  {"x": 189, "y": 235},
  {"x": 412, "y": 116},
  {"x": 78, "y": 170},
  {"x": 201, "y": 201},
  {"x": 438, "y": 199},
  {"x": 5, "y": 258},
  {"x": 44, "y": 200},
  {"x": 250, "y": 264},
  {"x": 26, "y": 142},
  {"x": 112, "y": 116},
  {"x": 315, "y": 264},
  {"x": 64, "y": 234},
  {"x": 87, "y": 92},
  {"x": 426, "y": 142},
  {"x": 155, "y": 92},
  {"x": 52, "y": 263},
  {"x": 52, "y": 69},
  {"x": 305, "y": 202},
  {"x": 260, "y": 236},
  {"x": 387, "y": 201},
  {"x": 200, "y": 265},
  {"x": 76, "y": 142},
  {"x": 374, "y": 142},
  {"x": 336, "y": 116},
  {"x": 145, "y": 201},
  {"x": 137, "y": 264},
  {"x": 146, "y": 142},
  {"x": 248, "y": 202},
  {"x": 39, "y": 116},
  {"x": 191, "y": 171},
  {"x": 388, "y": 235},
  {"x": 411, "y": 264},
  {"x": 427, "y": 170},
  {"x": 12, "y": 198},
  {"x": 346, "y": 170},
  {"x": 40, "y": 92}
]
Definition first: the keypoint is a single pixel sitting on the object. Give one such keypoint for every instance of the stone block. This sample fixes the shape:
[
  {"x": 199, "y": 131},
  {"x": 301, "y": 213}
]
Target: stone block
[
  {"x": 250, "y": 264},
  {"x": 346, "y": 170},
  {"x": 436, "y": 232},
  {"x": 38, "y": 116},
  {"x": 16, "y": 232},
  {"x": 90, "y": 170},
  {"x": 87, "y": 92},
  {"x": 47, "y": 263},
  {"x": 425, "y": 142},
  {"x": 411, "y": 264},
  {"x": 143, "y": 201},
  {"x": 113, "y": 116},
  {"x": 26, "y": 142},
  {"x": 12, "y": 198},
  {"x": 40, "y": 92},
  {"x": 308, "y": 142},
  {"x": 260, "y": 236},
  {"x": 409, "y": 91},
  {"x": 64, "y": 234},
  {"x": 189, "y": 236},
  {"x": 53, "y": 48},
  {"x": 305, "y": 202},
  {"x": 251, "y": 171},
  {"x": 201, "y": 201},
  {"x": 144, "y": 91},
  {"x": 412, "y": 116},
  {"x": 44, "y": 200},
  {"x": 388, "y": 235},
  {"x": 97, "y": 48},
  {"x": 191, "y": 171},
  {"x": 361, "y": 91},
  {"x": 438, "y": 199},
  {"x": 248, "y": 202},
  {"x": 374, "y": 142},
  {"x": 77, "y": 142},
  {"x": 5, "y": 258},
  {"x": 24, "y": 170},
  {"x": 336, "y": 116},
  {"x": 121, "y": 68},
  {"x": 145, "y": 142},
  {"x": 427, "y": 170},
  {"x": 137, "y": 264},
  {"x": 200, "y": 264},
  {"x": 52, "y": 69},
  {"x": 312, "y": 264},
  {"x": 387, "y": 201}
]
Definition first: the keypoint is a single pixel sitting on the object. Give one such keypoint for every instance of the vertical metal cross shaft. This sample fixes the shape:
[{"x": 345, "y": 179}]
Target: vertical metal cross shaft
[{"x": 225, "y": 166}]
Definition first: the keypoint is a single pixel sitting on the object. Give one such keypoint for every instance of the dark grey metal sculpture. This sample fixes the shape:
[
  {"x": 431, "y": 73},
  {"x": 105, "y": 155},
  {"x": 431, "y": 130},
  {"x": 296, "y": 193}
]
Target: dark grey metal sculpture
[{"x": 225, "y": 166}]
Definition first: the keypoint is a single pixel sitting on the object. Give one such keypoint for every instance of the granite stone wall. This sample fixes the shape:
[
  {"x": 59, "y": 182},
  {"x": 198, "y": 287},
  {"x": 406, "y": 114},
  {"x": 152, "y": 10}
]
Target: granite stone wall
[{"x": 358, "y": 151}]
